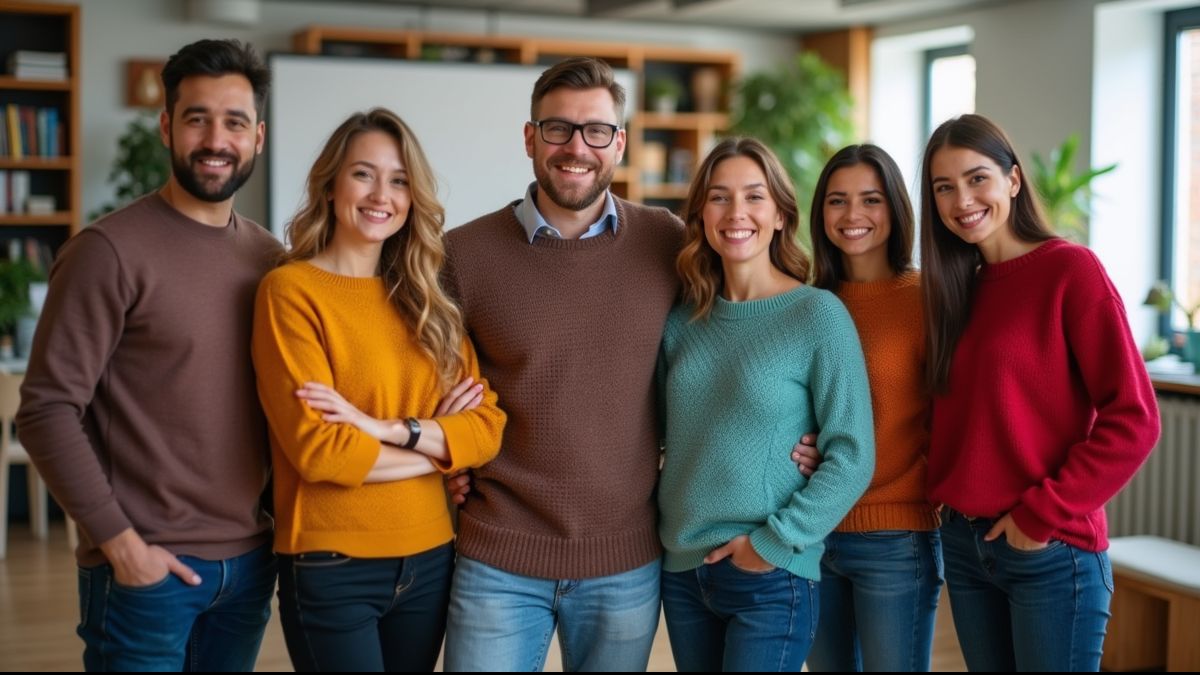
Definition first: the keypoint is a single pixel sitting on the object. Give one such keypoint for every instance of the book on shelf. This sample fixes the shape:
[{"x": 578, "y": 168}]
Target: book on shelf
[
  {"x": 34, "y": 65},
  {"x": 31, "y": 132}
]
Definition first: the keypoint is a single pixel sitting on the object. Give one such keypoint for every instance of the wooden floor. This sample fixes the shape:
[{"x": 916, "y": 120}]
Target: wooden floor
[{"x": 39, "y": 608}]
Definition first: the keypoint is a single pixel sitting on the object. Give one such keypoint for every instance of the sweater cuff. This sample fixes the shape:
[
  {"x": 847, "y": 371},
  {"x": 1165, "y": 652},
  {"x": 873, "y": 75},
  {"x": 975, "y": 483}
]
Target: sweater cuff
[
  {"x": 771, "y": 548},
  {"x": 104, "y": 523},
  {"x": 1034, "y": 527},
  {"x": 461, "y": 445},
  {"x": 361, "y": 460}
]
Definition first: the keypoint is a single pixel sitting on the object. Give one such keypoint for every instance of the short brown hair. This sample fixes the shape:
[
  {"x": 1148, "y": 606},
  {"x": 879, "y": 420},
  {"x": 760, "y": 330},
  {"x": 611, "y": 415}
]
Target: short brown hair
[{"x": 579, "y": 73}]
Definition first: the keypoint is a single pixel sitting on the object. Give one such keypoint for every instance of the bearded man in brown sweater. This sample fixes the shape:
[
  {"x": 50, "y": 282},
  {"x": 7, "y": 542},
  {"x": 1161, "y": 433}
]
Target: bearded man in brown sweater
[
  {"x": 565, "y": 294},
  {"x": 139, "y": 406}
]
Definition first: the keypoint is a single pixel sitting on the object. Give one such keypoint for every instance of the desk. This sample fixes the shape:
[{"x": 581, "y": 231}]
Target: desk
[{"x": 1173, "y": 384}]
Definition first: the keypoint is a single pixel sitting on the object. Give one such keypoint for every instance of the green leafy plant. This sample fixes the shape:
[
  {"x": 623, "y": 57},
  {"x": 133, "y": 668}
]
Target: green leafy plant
[
  {"x": 801, "y": 110},
  {"x": 15, "y": 277},
  {"x": 1065, "y": 192},
  {"x": 142, "y": 165},
  {"x": 663, "y": 93}
]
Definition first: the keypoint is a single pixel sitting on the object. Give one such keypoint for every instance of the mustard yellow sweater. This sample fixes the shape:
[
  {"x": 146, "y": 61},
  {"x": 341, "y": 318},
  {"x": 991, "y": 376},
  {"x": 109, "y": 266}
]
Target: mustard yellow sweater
[{"x": 314, "y": 326}]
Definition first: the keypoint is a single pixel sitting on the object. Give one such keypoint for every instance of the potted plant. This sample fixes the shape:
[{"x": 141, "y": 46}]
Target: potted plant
[
  {"x": 1064, "y": 191},
  {"x": 15, "y": 277},
  {"x": 1162, "y": 298},
  {"x": 663, "y": 94},
  {"x": 802, "y": 111},
  {"x": 142, "y": 164}
]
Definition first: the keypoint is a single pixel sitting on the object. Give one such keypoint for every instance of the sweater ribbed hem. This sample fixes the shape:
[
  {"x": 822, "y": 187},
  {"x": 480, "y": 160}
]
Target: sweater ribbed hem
[
  {"x": 875, "y": 517},
  {"x": 549, "y": 557}
]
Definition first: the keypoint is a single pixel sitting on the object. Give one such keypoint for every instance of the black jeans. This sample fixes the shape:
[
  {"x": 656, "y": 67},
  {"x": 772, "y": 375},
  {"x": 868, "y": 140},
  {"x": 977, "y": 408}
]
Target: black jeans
[{"x": 365, "y": 614}]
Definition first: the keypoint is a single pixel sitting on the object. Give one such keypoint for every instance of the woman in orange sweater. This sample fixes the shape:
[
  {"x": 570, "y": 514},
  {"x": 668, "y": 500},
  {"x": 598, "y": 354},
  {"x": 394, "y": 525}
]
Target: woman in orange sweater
[
  {"x": 882, "y": 569},
  {"x": 357, "y": 350}
]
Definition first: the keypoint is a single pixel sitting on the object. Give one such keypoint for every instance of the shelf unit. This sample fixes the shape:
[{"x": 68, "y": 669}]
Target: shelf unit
[
  {"x": 44, "y": 27},
  {"x": 685, "y": 135}
]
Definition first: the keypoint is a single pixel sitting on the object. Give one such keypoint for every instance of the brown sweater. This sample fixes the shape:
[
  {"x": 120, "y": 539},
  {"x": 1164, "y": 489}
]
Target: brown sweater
[
  {"x": 888, "y": 316},
  {"x": 567, "y": 332},
  {"x": 139, "y": 406}
]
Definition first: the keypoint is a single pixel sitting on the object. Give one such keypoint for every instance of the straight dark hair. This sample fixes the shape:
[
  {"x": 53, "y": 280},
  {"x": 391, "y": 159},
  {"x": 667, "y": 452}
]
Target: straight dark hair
[
  {"x": 214, "y": 58},
  {"x": 949, "y": 265},
  {"x": 828, "y": 267}
]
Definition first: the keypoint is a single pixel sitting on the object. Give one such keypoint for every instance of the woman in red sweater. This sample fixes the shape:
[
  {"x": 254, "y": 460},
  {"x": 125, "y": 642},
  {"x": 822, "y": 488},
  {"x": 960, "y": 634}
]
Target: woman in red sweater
[
  {"x": 881, "y": 573},
  {"x": 1042, "y": 408}
]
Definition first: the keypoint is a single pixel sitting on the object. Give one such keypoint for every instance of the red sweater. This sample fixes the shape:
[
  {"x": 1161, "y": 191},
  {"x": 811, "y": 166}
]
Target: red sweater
[{"x": 1049, "y": 411}]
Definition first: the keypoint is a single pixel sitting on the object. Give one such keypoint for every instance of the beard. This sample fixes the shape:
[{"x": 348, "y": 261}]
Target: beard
[
  {"x": 575, "y": 199},
  {"x": 210, "y": 189}
]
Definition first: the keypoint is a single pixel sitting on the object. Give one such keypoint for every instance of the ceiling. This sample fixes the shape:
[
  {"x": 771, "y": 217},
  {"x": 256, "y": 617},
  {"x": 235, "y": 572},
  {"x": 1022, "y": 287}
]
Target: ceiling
[{"x": 797, "y": 16}]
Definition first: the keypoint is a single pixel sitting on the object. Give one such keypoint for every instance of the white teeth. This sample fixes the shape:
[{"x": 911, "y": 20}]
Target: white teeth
[
  {"x": 855, "y": 231},
  {"x": 574, "y": 169},
  {"x": 972, "y": 219},
  {"x": 214, "y": 162},
  {"x": 375, "y": 214},
  {"x": 738, "y": 234}
]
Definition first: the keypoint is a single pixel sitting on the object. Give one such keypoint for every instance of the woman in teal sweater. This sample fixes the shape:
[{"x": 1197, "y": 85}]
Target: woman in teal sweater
[{"x": 751, "y": 360}]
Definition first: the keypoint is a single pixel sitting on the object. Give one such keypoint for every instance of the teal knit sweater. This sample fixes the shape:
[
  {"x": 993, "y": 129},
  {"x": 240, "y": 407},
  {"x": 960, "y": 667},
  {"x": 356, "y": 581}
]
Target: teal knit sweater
[{"x": 739, "y": 390}]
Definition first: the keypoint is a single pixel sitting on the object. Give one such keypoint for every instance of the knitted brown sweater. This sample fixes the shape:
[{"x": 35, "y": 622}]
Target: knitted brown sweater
[{"x": 567, "y": 333}]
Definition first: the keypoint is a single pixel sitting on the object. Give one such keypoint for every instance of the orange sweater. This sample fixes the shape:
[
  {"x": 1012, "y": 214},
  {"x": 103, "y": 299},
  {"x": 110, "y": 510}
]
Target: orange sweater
[
  {"x": 889, "y": 318},
  {"x": 312, "y": 325}
]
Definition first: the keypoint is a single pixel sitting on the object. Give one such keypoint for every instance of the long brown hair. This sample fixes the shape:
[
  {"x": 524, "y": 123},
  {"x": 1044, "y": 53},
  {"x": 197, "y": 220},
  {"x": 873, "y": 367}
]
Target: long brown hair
[
  {"x": 698, "y": 265},
  {"x": 948, "y": 264},
  {"x": 828, "y": 267},
  {"x": 411, "y": 260}
]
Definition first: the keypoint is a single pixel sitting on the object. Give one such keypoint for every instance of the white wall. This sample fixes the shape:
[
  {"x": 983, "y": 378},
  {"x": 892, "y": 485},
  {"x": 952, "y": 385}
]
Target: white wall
[
  {"x": 1033, "y": 61},
  {"x": 115, "y": 31}
]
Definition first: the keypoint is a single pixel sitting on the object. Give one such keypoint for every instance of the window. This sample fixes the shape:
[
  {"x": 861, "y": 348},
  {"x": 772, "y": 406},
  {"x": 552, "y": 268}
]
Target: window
[
  {"x": 949, "y": 85},
  {"x": 1180, "y": 243}
]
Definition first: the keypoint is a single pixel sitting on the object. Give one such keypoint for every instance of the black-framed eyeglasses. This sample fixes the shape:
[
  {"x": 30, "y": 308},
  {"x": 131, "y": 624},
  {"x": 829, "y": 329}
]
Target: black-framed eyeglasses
[{"x": 559, "y": 132}]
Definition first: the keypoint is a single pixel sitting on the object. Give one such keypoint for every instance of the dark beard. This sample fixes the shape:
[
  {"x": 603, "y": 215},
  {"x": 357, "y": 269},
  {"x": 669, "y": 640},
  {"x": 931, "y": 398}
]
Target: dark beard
[
  {"x": 209, "y": 191},
  {"x": 546, "y": 187}
]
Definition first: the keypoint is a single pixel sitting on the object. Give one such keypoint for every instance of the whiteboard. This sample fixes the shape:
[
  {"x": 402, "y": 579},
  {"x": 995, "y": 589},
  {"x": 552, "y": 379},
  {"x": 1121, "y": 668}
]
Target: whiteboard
[{"x": 468, "y": 117}]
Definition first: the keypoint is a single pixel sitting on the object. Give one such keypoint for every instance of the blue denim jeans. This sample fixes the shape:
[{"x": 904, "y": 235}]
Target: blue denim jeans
[
  {"x": 1043, "y": 610},
  {"x": 347, "y": 614},
  {"x": 722, "y": 618},
  {"x": 879, "y": 596},
  {"x": 216, "y": 626},
  {"x": 500, "y": 621}
]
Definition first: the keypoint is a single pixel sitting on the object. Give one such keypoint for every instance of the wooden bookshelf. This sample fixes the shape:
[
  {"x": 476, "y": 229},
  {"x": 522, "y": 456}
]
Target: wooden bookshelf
[
  {"x": 42, "y": 27},
  {"x": 689, "y": 132}
]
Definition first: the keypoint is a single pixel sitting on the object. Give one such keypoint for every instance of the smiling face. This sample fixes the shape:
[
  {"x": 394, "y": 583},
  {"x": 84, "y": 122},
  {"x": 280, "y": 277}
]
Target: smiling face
[
  {"x": 574, "y": 175},
  {"x": 214, "y": 135},
  {"x": 974, "y": 196},
  {"x": 370, "y": 195},
  {"x": 857, "y": 215},
  {"x": 740, "y": 216}
]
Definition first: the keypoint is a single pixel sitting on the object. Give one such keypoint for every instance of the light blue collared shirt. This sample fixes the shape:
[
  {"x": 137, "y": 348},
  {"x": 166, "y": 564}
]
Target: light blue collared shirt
[{"x": 533, "y": 222}]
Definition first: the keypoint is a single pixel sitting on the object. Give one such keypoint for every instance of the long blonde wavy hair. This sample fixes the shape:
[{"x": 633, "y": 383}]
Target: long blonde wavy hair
[
  {"x": 412, "y": 258},
  {"x": 698, "y": 265}
]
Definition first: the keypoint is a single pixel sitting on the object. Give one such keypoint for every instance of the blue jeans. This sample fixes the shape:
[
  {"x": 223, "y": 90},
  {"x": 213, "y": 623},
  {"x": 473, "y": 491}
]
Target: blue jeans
[
  {"x": 879, "y": 596},
  {"x": 216, "y": 626},
  {"x": 1024, "y": 610},
  {"x": 364, "y": 614},
  {"x": 500, "y": 621},
  {"x": 722, "y": 618}
]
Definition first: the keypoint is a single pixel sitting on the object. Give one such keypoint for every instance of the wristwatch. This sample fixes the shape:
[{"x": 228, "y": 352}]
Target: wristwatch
[{"x": 414, "y": 433}]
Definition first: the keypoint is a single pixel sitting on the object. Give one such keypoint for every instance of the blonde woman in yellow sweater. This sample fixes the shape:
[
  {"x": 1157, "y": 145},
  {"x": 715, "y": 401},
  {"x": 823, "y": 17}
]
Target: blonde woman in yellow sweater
[
  {"x": 881, "y": 573},
  {"x": 358, "y": 351}
]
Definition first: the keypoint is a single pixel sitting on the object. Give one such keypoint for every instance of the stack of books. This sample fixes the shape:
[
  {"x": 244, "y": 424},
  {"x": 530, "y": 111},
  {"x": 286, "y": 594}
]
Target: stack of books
[{"x": 30, "y": 65}]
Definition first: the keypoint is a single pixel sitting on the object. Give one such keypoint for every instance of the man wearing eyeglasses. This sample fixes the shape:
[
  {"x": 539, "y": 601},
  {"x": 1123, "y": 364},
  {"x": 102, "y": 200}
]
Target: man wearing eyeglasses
[{"x": 565, "y": 294}]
